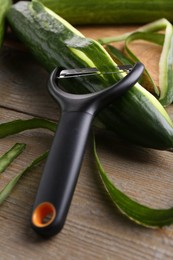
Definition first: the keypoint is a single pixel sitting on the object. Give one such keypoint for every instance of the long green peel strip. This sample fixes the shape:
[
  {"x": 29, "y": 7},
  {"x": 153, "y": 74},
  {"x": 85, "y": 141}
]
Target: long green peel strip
[
  {"x": 4, "y": 193},
  {"x": 166, "y": 58},
  {"x": 14, "y": 127},
  {"x": 17, "y": 126},
  {"x": 7, "y": 158},
  {"x": 135, "y": 211}
]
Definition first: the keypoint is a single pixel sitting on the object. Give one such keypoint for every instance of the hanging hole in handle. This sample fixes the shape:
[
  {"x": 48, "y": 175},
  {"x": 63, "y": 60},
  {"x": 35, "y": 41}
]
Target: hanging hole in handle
[{"x": 43, "y": 215}]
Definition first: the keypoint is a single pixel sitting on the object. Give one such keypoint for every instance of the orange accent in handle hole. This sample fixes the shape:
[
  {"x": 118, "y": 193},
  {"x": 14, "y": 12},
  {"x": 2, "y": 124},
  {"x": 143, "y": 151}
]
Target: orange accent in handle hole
[{"x": 43, "y": 215}]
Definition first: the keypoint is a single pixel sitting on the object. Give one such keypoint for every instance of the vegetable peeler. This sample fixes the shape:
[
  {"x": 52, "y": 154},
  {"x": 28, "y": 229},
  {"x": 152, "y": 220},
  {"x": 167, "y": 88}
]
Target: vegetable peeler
[{"x": 62, "y": 168}]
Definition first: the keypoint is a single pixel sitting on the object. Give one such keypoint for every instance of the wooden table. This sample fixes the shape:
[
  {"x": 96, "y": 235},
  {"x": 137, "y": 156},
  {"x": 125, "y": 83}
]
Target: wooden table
[{"x": 94, "y": 228}]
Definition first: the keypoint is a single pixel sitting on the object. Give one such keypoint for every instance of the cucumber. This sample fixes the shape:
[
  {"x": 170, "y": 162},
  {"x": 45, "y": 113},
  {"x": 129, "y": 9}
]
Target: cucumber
[
  {"x": 137, "y": 116},
  {"x": 4, "y": 5},
  {"x": 111, "y": 11}
]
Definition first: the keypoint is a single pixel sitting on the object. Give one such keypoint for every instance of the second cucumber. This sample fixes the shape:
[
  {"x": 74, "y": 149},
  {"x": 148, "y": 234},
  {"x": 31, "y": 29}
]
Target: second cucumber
[{"x": 111, "y": 11}]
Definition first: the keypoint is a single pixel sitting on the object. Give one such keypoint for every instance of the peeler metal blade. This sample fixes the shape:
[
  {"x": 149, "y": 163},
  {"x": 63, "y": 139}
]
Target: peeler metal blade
[{"x": 80, "y": 72}]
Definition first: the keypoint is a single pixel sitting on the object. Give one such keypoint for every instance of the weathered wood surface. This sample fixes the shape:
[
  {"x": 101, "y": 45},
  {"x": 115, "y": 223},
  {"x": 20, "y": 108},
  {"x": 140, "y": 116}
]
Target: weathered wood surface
[{"x": 94, "y": 228}]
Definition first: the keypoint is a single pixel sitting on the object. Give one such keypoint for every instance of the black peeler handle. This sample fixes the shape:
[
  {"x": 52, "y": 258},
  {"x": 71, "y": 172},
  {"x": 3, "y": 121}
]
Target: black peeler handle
[
  {"x": 61, "y": 173},
  {"x": 63, "y": 164}
]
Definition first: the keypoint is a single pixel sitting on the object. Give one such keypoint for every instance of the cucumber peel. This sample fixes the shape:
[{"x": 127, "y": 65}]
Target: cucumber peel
[
  {"x": 148, "y": 33},
  {"x": 135, "y": 211}
]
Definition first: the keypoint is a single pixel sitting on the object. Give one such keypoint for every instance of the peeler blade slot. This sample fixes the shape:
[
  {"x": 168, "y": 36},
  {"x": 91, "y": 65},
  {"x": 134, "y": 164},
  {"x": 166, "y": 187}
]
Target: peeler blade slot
[{"x": 80, "y": 72}]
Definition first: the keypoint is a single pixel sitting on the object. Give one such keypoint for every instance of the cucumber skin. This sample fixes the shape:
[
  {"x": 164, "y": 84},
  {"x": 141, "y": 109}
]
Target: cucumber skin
[
  {"x": 111, "y": 11},
  {"x": 133, "y": 117},
  {"x": 4, "y": 5}
]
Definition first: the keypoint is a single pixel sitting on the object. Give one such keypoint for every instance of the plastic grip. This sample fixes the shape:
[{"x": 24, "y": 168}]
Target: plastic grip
[{"x": 60, "y": 173}]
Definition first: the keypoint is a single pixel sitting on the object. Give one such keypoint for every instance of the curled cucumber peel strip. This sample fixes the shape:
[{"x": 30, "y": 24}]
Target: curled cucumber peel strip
[
  {"x": 11, "y": 128},
  {"x": 148, "y": 33},
  {"x": 6, "y": 190},
  {"x": 135, "y": 211}
]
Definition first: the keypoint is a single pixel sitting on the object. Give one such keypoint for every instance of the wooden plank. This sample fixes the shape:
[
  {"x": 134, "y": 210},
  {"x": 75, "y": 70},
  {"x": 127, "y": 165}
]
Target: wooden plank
[{"x": 94, "y": 228}]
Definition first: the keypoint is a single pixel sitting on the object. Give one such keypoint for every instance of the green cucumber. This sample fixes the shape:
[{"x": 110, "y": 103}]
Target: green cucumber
[
  {"x": 137, "y": 116},
  {"x": 4, "y": 5},
  {"x": 111, "y": 11}
]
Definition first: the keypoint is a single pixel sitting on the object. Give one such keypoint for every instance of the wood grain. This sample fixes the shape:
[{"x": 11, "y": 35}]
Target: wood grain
[{"x": 94, "y": 228}]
